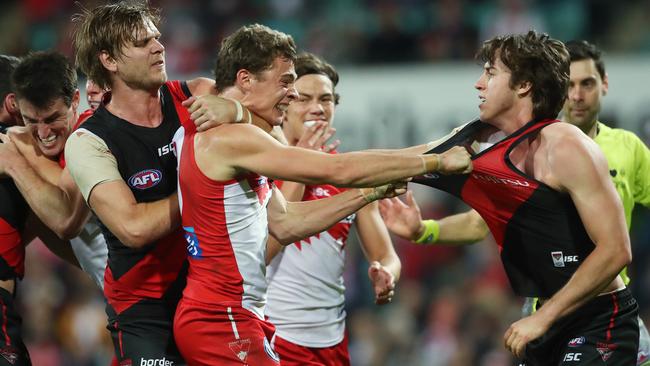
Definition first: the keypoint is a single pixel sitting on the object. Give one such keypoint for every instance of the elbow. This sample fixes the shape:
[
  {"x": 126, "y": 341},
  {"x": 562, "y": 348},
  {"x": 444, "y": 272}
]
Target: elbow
[
  {"x": 67, "y": 233},
  {"x": 132, "y": 237}
]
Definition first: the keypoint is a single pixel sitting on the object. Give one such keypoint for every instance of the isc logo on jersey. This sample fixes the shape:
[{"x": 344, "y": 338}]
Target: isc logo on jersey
[
  {"x": 193, "y": 247},
  {"x": 145, "y": 179},
  {"x": 559, "y": 259}
]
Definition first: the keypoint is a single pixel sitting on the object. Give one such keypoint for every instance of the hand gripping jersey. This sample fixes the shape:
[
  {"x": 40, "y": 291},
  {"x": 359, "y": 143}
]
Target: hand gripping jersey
[
  {"x": 306, "y": 301},
  {"x": 147, "y": 164},
  {"x": 538, "y": 230},
  {"x": 226, "y": 230}
]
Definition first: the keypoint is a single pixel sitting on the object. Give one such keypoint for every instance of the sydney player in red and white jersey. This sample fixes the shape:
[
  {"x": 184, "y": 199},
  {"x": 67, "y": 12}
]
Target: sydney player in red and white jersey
[
  {"x": 306, "y": 291},
  {"x": 229, "y": 207}
]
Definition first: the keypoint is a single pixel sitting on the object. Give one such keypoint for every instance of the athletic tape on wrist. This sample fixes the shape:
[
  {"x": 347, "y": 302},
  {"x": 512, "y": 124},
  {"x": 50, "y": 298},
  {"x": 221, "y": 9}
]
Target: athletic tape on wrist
[
  {"x": 240, "y": 112},
  {"x": 431, "y": 232}
]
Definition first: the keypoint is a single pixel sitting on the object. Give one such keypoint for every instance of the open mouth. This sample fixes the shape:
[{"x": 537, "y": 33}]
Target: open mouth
[
  {"x": 282, "y": 107},
  {"x": 48, "y": 141}
]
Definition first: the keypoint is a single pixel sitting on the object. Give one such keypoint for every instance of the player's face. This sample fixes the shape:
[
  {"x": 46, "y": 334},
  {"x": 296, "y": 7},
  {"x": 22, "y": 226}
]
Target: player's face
[
  {"x": 315, "y": 102},
  {"x": 142, "y": 64},
  {"x": 271, "y": 91},
  {"x": 94, "y": 94},
  {"x": 50, "y": 126},
  {"x": 497, "y": 98},
  {"x": 586, "y": 88}
]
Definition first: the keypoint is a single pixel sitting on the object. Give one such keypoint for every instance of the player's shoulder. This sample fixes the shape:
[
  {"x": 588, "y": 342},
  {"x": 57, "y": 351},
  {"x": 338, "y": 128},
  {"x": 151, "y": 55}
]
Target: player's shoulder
[
  {"x": 563, "y": 133},
  {"x": 200, "y": 86}
]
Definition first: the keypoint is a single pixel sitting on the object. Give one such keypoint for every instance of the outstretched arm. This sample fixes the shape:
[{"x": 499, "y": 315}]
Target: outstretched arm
[
  {"x": 404, "y": 219},
  {"x": 385, "y": 266},
  {"x": 318, "y": 215},
  {"x": 249, "y": 148}
]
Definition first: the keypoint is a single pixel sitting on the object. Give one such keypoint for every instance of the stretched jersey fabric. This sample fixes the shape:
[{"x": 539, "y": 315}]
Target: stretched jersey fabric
[
  {"x": 226, "y": 230},
  {"x": 540, "y": 235},
  {"x": 147, "y": 164},
  {"x": 306, "y": 301}
]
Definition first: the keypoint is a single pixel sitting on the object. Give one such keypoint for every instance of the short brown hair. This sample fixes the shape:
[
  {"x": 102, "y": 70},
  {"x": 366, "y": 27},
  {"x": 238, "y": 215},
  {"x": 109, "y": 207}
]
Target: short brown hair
[
  {"x": 536, "y": 58},
  {"x": 108, "y": 28},
  {"x": 310, "y": 64},
  {"x": 252, "y": 47}
]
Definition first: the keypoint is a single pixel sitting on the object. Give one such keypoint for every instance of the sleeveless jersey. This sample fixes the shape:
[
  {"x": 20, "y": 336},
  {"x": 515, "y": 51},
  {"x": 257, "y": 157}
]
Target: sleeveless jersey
[
  {"x": 147, "y": 164},
  {"x": 226, "y": 230},
  {"x": 13, "y": 213},
  {"x": 306, "y": 301},
  {"x": 540, "y": 235}
]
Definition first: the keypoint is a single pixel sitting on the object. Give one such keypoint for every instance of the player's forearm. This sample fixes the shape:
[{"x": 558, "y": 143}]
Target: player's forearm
[
  {"x": 147, "y": 222},
  {"x": 463, "y": 228},
  {"x": 273, "y": 247},
  {"x": 49, "y": 202},
  {"x": 594, "y": 276},
  {"x": 360, "y": 169},
  {"x": 292, "y": 191},
  {"x": 303, "y": 219},
  {"x": 413, "y": 150}
]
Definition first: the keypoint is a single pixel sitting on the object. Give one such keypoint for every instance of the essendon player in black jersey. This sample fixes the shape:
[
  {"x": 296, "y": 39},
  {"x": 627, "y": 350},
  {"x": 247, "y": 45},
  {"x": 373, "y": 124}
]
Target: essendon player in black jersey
[
  {"x": 123, "y": 162},
  {"x": 545, "y": 193}
]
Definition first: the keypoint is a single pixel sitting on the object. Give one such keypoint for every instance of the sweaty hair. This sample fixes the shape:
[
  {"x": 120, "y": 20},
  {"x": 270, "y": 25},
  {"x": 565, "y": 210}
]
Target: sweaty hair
[
  {"x": 43, "y": 77},
  {"x": 536, "y": 58},
  {"x": 108, "y": 28},
  {"x": 583, "y": 50},
  {"x": 7, "y": 66},
  {"x": 310, "y": 64},
  {"x": 253, "y": 48}
]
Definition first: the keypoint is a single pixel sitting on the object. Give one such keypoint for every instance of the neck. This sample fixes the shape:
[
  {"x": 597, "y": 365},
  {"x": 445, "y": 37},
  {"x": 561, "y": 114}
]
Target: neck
[
  {"x": 137, "y": 106},
  {"x": 592, "y": 129},
  {"x": 513, "y": 121},
  {"x": 233, "y": 92}
]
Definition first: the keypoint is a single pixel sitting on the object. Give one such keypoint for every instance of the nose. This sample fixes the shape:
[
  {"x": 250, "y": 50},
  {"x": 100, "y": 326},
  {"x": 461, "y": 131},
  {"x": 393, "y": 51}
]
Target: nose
[
  {"x": 316, "y": 108},
  {"x": 158, "y": 46},
  {"x": 480, "y": 83},
  {"x": 292, "y": 93},
  {"x": 43, "y": 130},
  {"x": 575, "y": 93}
]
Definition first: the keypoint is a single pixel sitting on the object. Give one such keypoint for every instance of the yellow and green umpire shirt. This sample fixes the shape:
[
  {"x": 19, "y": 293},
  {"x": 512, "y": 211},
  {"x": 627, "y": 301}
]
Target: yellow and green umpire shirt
[{"x": 629, "y": 167}]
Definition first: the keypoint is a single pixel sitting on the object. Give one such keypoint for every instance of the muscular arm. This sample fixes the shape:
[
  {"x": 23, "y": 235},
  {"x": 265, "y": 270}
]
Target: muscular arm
[
  {"x": 385, "y": 266},
  {"x": 581, "y": 169},
  {"x": 48, "y": 189},
  {"x": 292, "y": 221},
  {"x": 135, "y": 224},
  {"x": 246, "y": 147},
  {"x": 95, "y": 171}
]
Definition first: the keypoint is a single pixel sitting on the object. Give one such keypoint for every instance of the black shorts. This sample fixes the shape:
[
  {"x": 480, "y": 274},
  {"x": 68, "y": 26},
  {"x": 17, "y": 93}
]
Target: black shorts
[
  {"x": 12, "y": 349},
  {"x": 605, "y": 331},
  {"x": 142, "y": 335}
]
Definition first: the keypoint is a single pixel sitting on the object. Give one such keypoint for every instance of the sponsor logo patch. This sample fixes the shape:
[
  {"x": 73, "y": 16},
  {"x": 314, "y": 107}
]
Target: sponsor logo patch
[
  {"x": 9, "y": 354},
  {"x": 145, "y": 179},
  {"x": 559, "y": 259},
  {"x": 156, "y": 362},
  {"x": 576, "y": 342},
  {"x": 572, "y": 357},
  {"x": 193, "y": 247},
  {"x": 605, "y": 350},
  {"x": 240, "y": 348}
]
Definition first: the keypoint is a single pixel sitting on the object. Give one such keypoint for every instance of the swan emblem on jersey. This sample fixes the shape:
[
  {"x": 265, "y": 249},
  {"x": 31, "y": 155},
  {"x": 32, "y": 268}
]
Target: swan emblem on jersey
[
  {"x": 145, "y": 179},
  {"x": 240, "y": 348}
]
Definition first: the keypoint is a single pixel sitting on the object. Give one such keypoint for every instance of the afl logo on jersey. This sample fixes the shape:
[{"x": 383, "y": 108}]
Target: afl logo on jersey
[{"x": 145, "y": 179}]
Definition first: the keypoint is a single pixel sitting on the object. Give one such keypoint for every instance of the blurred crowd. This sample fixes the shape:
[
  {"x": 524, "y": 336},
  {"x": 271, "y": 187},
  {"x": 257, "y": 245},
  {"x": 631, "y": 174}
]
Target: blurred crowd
[{"x": 452, "y": 304}]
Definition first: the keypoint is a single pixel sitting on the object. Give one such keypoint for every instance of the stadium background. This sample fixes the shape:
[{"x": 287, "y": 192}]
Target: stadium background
[{"x": 407, "y": 76}]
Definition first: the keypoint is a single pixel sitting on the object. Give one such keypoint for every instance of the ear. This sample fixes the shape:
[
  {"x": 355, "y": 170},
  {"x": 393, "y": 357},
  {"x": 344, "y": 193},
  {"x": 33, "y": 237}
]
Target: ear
[
  {"x": 11, "y": 104},
  {"x": 244, "y": 79},
  {"x": 75, "y": 100},
  {"x": 524, "y": 88},
  {"x": 605, "y": 84},
  {"x": 107, "y": 61}
]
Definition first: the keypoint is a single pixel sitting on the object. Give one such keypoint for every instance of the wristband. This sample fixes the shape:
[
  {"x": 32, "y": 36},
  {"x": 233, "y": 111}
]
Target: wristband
[
  {"x": 240, "y": 111},
  {"x": 429, "y": 160},
  {"x": 431, "y": 232}
]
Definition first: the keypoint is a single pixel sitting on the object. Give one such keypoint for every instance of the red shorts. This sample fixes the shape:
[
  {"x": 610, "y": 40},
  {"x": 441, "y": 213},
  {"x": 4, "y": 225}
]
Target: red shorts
[
  {"x": 221, "y": 335},
  {"x": 292, "y": 354}
]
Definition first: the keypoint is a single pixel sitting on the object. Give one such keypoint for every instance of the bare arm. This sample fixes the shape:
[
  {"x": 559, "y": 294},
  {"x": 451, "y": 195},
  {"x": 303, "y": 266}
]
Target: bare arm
[
  {"x": 385, "y": 266},
  {"x": 318, "y": 215},
  {"x": 578, "y": 167},
  {"x": 135, "y": 224},
  {"x": 59, "y": 205},
  {"x": 404, "y": 219},
  {"x": 34, "y": 227},
  {"x": 246, "y": 147}
]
